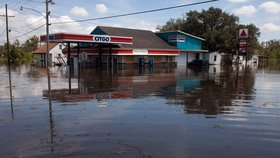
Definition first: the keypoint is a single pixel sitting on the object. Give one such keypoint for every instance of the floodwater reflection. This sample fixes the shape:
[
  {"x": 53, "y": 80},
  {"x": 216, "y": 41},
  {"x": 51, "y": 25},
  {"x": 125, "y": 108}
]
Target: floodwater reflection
[
  {"x": 199, "y": 90},
  {"x": 161, "y": 111}
]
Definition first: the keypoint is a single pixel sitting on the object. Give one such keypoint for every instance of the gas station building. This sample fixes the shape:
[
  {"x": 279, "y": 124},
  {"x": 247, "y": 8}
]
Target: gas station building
[{"x": 112, "y": 45}]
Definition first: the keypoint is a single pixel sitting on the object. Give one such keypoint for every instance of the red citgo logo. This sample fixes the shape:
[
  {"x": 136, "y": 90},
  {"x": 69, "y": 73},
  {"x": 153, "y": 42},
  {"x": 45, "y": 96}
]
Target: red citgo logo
[{"x": 243, "y": 33}]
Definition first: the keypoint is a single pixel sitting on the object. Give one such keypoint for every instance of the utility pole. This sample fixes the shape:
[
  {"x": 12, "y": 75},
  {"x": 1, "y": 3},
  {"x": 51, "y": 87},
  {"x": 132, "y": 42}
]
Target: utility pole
[
  {"x": 47, "y": 52},
  {"x": 47, "y": 32},
  {"x": 48, "y": 71},
  {"x": 9, "y": 59},
  {"x": 47, "y": 29}
]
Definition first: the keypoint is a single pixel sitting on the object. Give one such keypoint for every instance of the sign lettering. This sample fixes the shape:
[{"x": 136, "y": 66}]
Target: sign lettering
[
  {"x": 176, "y": 38},
  {"x": 101, "y": 38},
  {"x": 140, "y": 51},
  {"x": 243, "y": 41},
  {"x": 51, "y": 37},
  {"x": 243, "y": 44}
]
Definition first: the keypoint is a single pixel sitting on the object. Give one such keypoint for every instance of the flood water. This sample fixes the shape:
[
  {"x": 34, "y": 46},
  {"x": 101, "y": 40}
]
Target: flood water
[{"x": 152, "y": 112}]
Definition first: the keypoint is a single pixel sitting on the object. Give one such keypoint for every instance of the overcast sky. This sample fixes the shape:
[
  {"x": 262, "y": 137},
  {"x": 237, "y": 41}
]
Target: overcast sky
[{"x": 264, "y": 14}]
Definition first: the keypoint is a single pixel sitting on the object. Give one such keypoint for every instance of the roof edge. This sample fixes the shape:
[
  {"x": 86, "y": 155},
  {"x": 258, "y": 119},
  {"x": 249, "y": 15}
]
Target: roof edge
[
  {"x": 126, "y": 28},
  {"x": 195, "y": 51},
  {"x": 183, "y": 33}
]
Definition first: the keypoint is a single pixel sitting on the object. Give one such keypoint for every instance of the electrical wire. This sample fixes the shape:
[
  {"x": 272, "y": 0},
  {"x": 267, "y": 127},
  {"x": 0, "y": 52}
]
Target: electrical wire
[
  {"x": 73, "y": 19},
  {"x": 136, "y": 13},
  {"x": 33, "y": 22},
  {"x": 116, "y": 16},
  {"x": 13, "y": 29},
  {"x": 36, "y": 1},
  {"x": 19, "y": 4},
  {"x": 29, "y": 32},
  {"x": 26, "y": 33}
]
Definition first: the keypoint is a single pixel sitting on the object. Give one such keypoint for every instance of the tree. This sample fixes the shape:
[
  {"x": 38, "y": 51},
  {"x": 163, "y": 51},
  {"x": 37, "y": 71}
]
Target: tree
[
  {"x": 31, "y": 44},
  {"x": 218, "y": 28},
  {"x": 21, "y": 52},
  {"x": 173, "y": 24},
  {"x": 2, "y": 50},
  {"x": 271, "y": 48}
]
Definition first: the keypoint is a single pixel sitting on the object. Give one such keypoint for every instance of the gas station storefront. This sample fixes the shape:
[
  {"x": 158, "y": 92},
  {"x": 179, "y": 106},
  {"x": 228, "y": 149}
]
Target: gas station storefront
[
  {"x": 81, "y": 40},
  {"x": 106, "y": 49}
]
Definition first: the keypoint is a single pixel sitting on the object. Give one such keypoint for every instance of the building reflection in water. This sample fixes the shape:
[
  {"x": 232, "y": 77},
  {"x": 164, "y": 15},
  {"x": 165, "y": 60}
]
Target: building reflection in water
[{"x": 210, "y": 91}]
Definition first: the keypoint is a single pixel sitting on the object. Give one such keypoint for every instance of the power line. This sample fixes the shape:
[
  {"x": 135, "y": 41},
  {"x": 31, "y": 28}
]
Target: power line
[
  {"x": 116, "y": 16},
  {"x": 19, "y": 4},
  {"x": 33, "y": 22},
  {"x": 13, "y": 29},
  {"x": 29, "y": 31},
  {"x": 26, "y": 32},
  {"x": 36, "y": 1},
  {"x": 135, "y": 13},
  {"x": 25, "y": 2},
  {"x": 73, "y": 19}
]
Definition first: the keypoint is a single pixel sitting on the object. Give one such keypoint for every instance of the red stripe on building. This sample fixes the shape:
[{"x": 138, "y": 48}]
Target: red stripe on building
[
  {"x": 123, "y": 51},
  {"x": 96, "y": 51},
  {"x": 67, "y": 37},
  {"x": 121, "y": 39},
  {"x": 63, "y": 37},
  {"x": 163, "y": 52},
  {"x": 73, "y": 37}
]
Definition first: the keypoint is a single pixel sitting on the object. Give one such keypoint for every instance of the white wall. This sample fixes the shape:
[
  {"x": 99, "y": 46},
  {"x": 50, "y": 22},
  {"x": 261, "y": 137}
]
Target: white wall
[
  {"x": 215, "y": 58},
  {"x": 181, "y": 59},
  {"x": 55, "y": 51}
]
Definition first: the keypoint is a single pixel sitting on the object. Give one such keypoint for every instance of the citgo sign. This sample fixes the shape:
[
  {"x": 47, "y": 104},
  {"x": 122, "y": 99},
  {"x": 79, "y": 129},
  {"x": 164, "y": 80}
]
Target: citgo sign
[{"x": 101, "y": 38}]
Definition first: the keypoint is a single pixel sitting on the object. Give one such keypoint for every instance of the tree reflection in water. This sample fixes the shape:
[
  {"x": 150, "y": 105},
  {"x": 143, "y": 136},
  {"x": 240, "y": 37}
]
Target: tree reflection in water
[{"x": 199, "y": 90}]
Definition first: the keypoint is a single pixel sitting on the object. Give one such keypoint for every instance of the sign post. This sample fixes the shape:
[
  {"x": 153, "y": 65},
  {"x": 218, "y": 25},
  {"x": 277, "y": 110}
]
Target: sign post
[{"x": 243, "y": 43}]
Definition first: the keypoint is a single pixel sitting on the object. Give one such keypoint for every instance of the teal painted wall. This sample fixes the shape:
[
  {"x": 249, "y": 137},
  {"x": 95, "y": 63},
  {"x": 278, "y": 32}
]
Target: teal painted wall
[{"x": 190, "y": 43}]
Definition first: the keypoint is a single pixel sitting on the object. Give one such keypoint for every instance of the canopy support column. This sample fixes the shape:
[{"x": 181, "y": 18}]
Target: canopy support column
[
  {"x": 110, "y": 55},
  {"x": 99, "y": 56}
]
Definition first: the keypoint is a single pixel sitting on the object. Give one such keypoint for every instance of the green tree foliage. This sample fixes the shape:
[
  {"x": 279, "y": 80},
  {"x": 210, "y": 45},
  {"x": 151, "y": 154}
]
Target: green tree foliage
[
  {"x": 218, "y": 28},
  {"x": 20, "y": 53},
  {"x": 271, "y": 48},
  {"x": 31, "y": 44},
  {"x": 2, "y": 50}
]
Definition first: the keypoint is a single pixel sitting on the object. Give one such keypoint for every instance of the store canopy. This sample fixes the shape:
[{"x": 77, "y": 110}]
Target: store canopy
[{"x": 65, "y": 37}]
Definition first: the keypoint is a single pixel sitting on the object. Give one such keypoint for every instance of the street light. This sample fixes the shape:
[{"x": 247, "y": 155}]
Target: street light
[
  {"x": 47, "y": 42},
  {"x": 21, "y": 8},
  {"x": 47, "y": 28},
  {"x": 47, "y": 64}
]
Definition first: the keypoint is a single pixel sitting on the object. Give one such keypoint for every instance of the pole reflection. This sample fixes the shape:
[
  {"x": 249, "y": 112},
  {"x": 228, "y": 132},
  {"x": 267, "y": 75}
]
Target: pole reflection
[
  {"x": 196, "y": 91},
  {"x": 11, "y": 92},
  {"x": 52, "y": 127},
  {"x": 51, "y": 120}
]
